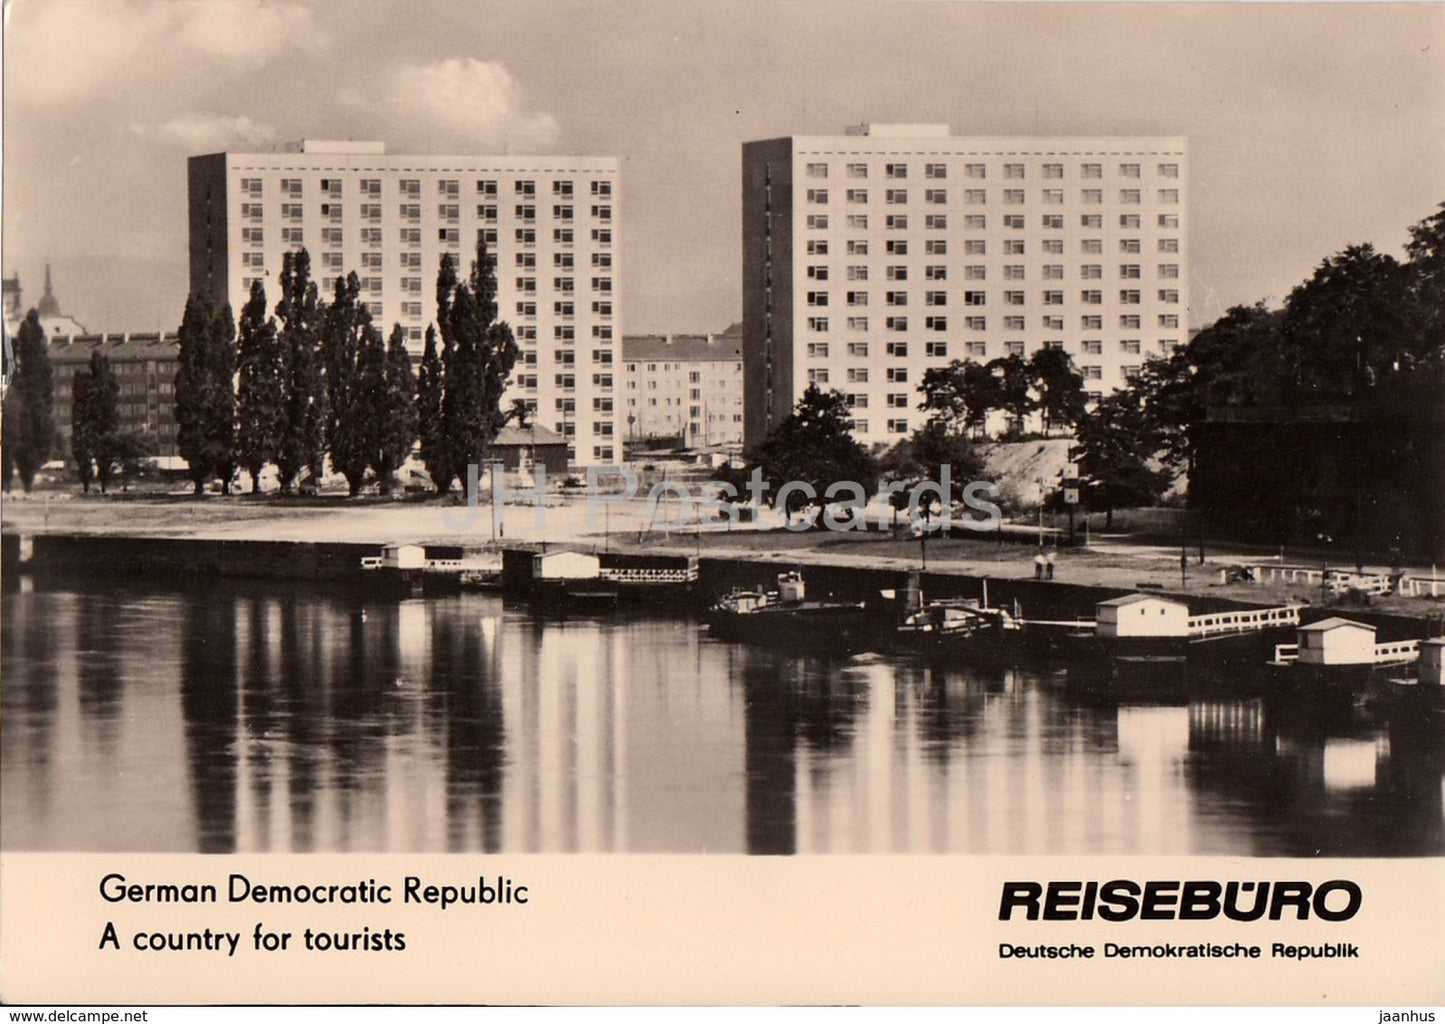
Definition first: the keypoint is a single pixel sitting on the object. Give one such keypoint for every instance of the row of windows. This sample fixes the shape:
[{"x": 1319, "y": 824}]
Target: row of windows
[
  {"x": 1088, "y": 322},
  {"x": 446, "y": 187},
  {"x": 940, "y": 350},
  {"x": 1010, "y": 196},
  {"x": 411, "y": 212},
  {"x": 936, "y": 171},
  {"x": 979, "y": 271},
  {"x": 975, "y": 297},
  {"x": 979, "y": 222}
]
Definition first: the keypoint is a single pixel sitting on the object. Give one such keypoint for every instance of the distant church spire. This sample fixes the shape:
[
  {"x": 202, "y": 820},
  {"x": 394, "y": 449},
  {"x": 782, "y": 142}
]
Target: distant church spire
[{"x": 48, "y": 306}]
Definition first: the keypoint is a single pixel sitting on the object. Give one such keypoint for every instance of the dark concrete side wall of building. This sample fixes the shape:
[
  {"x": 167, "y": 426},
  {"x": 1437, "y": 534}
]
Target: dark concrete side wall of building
[
  {"x": 767, "y": 276},
  {"x": 206, "y": 203}
]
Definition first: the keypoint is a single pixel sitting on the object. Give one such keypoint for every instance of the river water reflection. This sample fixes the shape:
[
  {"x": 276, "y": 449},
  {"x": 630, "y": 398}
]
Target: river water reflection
[{"x": 266, "y": 718}]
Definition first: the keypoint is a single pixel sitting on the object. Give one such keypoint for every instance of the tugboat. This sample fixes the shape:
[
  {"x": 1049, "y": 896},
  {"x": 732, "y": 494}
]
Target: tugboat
[
  {"x": 785, "y": 618},
  {"x": 960, "y": 628}
]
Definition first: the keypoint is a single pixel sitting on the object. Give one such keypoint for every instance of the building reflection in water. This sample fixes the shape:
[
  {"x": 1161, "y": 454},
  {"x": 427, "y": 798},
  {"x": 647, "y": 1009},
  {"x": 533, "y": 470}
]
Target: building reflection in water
[{"x": 263, "y": 718}]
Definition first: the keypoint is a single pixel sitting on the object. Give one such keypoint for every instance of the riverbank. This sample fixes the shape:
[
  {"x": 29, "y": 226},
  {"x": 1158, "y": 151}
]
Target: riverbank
[{"x": 1110, "y": 561}]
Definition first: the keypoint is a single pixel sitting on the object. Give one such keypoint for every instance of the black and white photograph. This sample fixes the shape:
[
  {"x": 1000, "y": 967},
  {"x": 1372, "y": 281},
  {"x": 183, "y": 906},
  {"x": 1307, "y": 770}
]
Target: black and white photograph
[{"x": 715, "y": 430}]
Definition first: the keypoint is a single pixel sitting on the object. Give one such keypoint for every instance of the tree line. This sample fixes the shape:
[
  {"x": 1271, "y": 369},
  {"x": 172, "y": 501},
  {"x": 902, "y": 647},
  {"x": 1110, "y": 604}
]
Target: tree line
[
  {"x": 305, "y": 385},
  {"x": 313, "y": 383}
]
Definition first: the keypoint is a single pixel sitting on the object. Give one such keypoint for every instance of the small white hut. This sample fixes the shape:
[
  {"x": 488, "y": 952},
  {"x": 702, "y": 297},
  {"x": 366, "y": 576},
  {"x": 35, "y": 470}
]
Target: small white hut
[
  {"x": 1336, "y": 641},
  {"x": 403, "y": 556},
  {"x": 1135, "y": 615},
  {"x": 565, "y": 565}
]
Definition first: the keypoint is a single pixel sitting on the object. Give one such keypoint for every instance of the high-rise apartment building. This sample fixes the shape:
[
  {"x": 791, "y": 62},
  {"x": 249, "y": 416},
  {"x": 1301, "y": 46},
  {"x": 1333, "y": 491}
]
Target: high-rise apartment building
[
  {"x": 551, "y": 222},
  {"x": 872, "y": 256}
]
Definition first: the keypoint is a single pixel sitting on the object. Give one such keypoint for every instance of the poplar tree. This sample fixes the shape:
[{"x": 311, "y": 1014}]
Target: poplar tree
[
  {"x": 430, "y": 389},
  {"x": 349, "y": 422},
  {"x": 397, "y": 414},
  {"x": 205, "y": 393},
  {"x": 481, "y": 351},
  {"x": 261, "y": 388},
  {"x": 220, "y": 429},
  {"x": 192, "y": 392},
  {"x": 28, "y": 417},
  {"x": 302, "y": 446}
]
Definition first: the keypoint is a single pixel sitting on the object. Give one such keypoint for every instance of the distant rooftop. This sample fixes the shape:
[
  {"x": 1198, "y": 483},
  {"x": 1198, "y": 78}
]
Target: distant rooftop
[
  {"x": 899, "y": 131},
  {"x": 76, "y": 348},
  {"x": 683, "y": 347},
  {"x": 532, "y": 434},
  {"x": 328, "y": 146}
]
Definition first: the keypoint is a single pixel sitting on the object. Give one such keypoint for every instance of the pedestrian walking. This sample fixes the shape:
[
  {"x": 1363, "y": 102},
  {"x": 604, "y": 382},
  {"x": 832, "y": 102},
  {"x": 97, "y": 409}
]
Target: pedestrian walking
[
  {"x": 1049, "y": 566},
  {"x": 1039, "y": 563}
]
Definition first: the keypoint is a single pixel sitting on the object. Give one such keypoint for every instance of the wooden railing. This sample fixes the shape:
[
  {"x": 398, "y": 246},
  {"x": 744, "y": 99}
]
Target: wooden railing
[
  {"x": 1400, "y": 650},
  {"x": 1243, "y": 621}
]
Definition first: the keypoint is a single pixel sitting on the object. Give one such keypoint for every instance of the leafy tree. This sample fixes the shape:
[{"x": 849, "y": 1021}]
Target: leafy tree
[
  {"x": 812, "y": 445},
  {"x": 1234, "y": 361},
  {"x": 962, "y": 393},
  {"x": 261, "y": 390},
  {"x": 299, "y": 313},
  {"x": 133, "y": 451},
  {"x": 1115, "y": 445},
  {"x": 430, "y": 389},
  {"x": 95, "y": 422},
  {"x": 921, "y": 458},
  {"x": 519, "y": 413},
  {"x": 1012, "y": 380},
  {"x": 28, "y": 417},
  {"x": 205, "y": 399},
  {"x": 1060, "y": 388},
  {"x": 1344, "y": 327},
  {"x": 397, "y": 415},
  {"x": 478, "y": 357}
]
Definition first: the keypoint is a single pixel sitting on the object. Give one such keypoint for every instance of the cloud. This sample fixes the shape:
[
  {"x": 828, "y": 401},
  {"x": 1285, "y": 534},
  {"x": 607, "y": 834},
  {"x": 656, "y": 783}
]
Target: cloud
[
  {"x": 60, "y": 52},
  {"x": 65, "y": 51},
  {"x": 247, "y": 30},
  {"x": 207, "y": 133},
  {"x": 477, "y": 100}
]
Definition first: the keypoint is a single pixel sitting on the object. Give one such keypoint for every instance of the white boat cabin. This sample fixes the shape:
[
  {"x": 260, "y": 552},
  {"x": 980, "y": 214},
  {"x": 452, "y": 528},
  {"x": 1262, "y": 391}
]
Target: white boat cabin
[
  {"x": 1431, "y": 666},
  {"x": 403, "y": 556},
  {"x": 1336, "y": 641},
  {"x": 790, "y": 588},
  {"x": 565, "y": 565},
  {"x": 1136, "y": 615}
]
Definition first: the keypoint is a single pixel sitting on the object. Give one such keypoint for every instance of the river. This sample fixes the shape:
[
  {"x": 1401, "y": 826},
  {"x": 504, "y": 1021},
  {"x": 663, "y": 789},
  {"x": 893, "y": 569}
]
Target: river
[{"x": 269, "y": 718}]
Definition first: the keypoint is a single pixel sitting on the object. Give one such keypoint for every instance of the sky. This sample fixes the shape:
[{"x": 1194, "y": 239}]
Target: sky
[{"x": 1311, "y": 126}]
